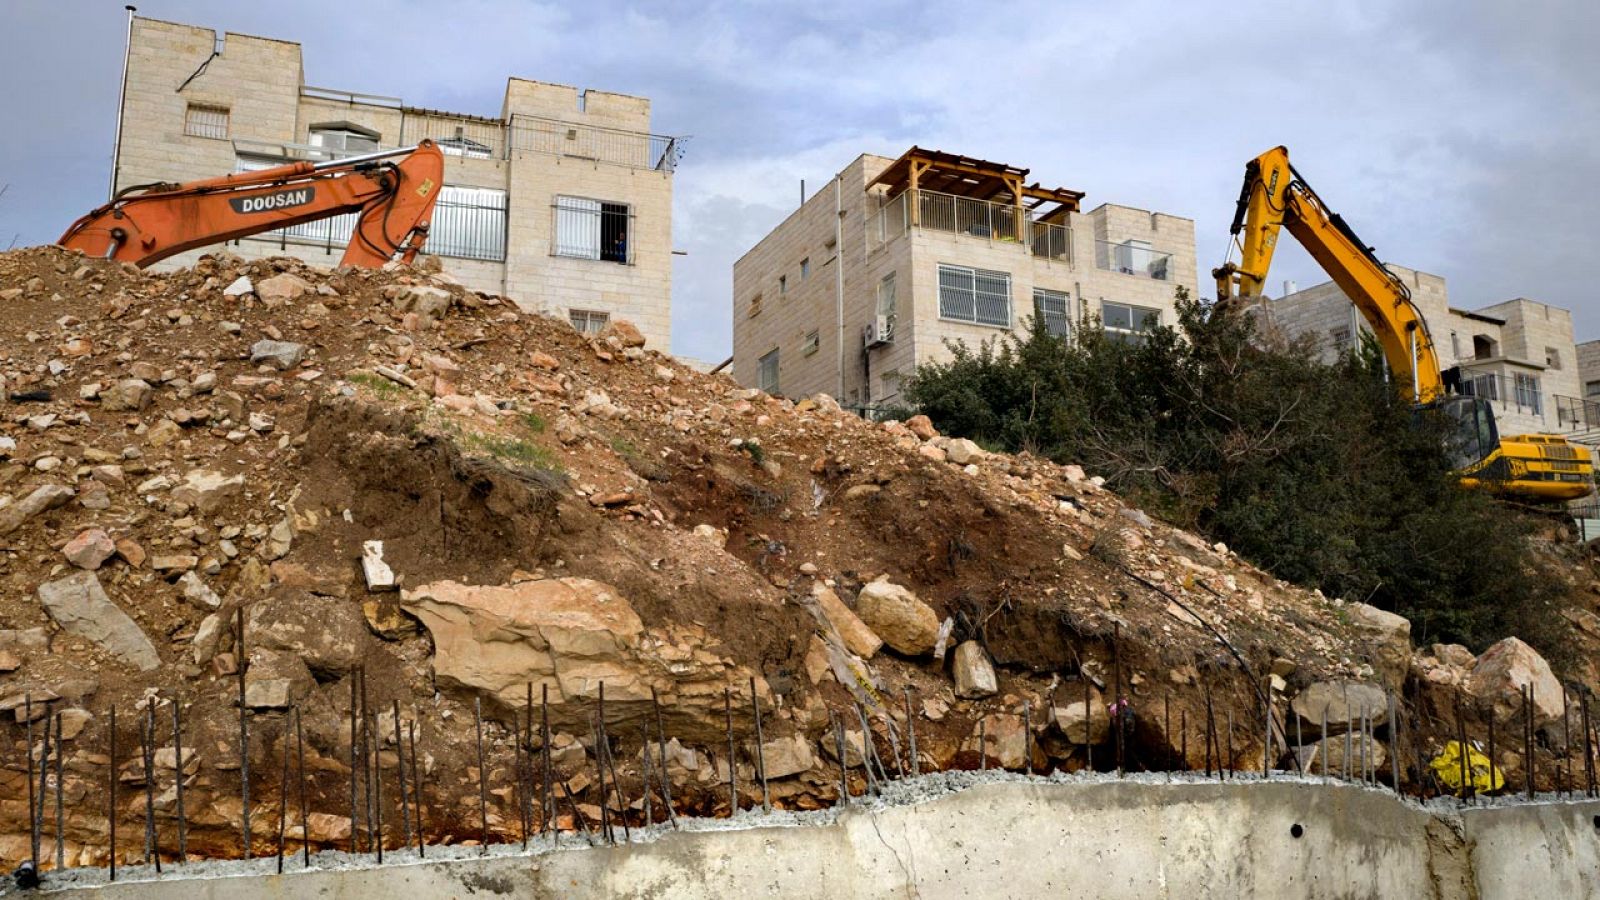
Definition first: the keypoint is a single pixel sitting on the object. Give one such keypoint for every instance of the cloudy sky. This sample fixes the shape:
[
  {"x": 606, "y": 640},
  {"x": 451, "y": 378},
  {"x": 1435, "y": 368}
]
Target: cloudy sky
[{"x": 1461, "y": 137}]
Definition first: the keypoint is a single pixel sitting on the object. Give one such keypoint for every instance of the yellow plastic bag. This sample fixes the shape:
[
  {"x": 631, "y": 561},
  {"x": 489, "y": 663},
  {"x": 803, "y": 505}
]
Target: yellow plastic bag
[{"x": 1483, "y": 774}]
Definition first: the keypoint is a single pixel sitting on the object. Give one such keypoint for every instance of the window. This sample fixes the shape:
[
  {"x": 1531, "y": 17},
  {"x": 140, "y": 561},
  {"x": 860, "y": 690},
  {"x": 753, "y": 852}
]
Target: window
[
  {"x": 755, "y": 305},
  {"x": 805, "y": 268},
  {"x": 1485, "y": 386},
  {"x": 1340, "y": 339},
  {"x": 345, "y": 136},
  {"x": 767, "y": 372},
  {"x": 469, "y": 223},
  {"x": 1455, "y": 345},
  {"x": 1552, "y": 358},
  {"x": 1484, "y": 347},
  {"x": 887, "y": 305},
  {"x": 1051, "y": 309},
  {"x": 588, "y": 321},
  {"x": 1527, "y": 388},
  {"x": 1128, "y": 321},
  {"x": 891, "y": 384},
  {"x": 592, "y": 229},
  {"x": 206, "y": 121},
  {"x": 811, "y": 343},
  {"x": 974, "y": 295},
  {"x": 783, "y": 284},
  {"x": 1591, "y": 388}
]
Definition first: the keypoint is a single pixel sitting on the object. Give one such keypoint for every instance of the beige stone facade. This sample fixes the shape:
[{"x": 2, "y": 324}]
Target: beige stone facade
[
  {"x": 810, "y": 298},
  {"x": 1519, "y": 354},
  {"x": 562, "y": 202}
]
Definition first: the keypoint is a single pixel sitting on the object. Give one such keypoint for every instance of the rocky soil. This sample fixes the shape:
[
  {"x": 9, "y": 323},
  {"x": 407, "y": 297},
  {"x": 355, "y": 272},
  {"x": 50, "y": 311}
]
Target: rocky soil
[{"x": 402, "y": 486}]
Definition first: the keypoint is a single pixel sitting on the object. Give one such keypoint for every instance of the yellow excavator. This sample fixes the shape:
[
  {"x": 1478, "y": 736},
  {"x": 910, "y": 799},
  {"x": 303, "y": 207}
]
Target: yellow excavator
[{"x": 1538, "y": 468}]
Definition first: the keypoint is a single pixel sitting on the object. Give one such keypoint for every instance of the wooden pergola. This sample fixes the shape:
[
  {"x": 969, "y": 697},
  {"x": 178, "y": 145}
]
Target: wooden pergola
[{"x": 979, "y": 179}]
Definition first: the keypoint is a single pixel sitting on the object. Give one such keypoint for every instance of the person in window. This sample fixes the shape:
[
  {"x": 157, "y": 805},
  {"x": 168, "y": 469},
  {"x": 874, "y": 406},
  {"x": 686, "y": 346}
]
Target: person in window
[{"x": 618, "y": 251}]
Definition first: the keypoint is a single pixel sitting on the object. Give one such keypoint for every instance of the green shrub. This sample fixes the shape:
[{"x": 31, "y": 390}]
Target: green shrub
[{"x": 1322, "y": 474}]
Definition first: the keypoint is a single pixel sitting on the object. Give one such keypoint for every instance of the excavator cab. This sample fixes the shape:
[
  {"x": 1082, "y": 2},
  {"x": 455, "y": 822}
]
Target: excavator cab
[{"x": 1471, "y": 437}]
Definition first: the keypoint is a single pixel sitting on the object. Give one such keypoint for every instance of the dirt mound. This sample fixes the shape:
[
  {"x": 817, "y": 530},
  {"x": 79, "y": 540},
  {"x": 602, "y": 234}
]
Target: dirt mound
[{"x": 238, "y": 434}]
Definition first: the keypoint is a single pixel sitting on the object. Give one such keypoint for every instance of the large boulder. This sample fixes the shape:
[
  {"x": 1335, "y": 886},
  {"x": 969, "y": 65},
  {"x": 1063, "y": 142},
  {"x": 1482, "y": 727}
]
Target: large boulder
[
  {"x": 326, "y": 634},
  {"x": 896, "y": 614},
  {"x": 1342, "y": 702},
  {"x": 79, "y": 605},
  {"x": 1388, "y": 638},
  {"x": 1077, "y": 723},
  {"x": 974, "y": 672},
  {"x": 1327, "y": 755},
  {"x": 854, "y": 633},
  {"x": 573, "y": 635},
  {"x": 1501, "y": 673}
]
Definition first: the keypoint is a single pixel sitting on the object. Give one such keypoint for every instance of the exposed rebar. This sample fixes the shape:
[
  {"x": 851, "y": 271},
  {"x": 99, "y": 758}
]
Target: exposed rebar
[
  {"x": 243, "y": 663},
  {"x": 283, "y": 792},
  {"x": 483, "y": 782},
  {"x": 761, "y": 758},
  {"x": 177, "y": 753},
  {"x": 111, "y": 811},
  {"x": 33, "y": 809},
  {"x": 300, "y": 768},
  {"x": 416, "y": 791},
  {"x": 666, "y": 779},
  {"x": 911, "y": 735},
  {"x": 147, "y": 734},
  {"x": 733, "y": 775},
  {"x": 400, "y": 757},
  {"x": 61, "y": 822}
]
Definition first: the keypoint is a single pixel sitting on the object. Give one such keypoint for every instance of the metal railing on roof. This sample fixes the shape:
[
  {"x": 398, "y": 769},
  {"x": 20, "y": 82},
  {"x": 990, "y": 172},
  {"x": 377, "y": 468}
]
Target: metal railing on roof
[
  {"x": 968, "y": 216},
  {"x": 637, "y": 149},
  {"x": 1132, "y": 258}
]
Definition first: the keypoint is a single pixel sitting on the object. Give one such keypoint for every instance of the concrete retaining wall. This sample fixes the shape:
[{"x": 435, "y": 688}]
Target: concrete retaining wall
[{"x": 1021, "y": 839}]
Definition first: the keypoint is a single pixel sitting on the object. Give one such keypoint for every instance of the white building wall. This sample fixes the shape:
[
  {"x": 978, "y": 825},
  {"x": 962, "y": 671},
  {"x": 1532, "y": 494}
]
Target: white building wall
[{"x": 259, "y": 81}]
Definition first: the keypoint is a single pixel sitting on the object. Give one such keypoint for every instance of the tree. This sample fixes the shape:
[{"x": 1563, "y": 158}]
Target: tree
[{"x": 1322, "y": 474}]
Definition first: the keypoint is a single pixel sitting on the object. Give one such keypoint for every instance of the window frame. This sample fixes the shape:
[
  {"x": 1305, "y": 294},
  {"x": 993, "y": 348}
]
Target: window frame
[
  {"x": 770, "y": 360},
  {"x": 1064, "y": 316},
  {"x": 589, "y": 316},
  {"x": 192, "y": 127},
  {"x": 576, "y": 206},
  {"x": 1131, "y": 329},
  {"x": 947, "y": 272}
]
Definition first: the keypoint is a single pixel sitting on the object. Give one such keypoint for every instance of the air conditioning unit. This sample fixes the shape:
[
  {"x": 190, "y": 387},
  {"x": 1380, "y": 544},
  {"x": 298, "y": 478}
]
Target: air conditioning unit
[{"x": 878, "y": 332}]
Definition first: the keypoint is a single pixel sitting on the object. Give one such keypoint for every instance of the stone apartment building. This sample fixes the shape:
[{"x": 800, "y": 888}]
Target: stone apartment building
[
  {"x": 1519, "y": 354},
  {"x": 562, "y": 202},
  {"x": 871, "y": 276}
]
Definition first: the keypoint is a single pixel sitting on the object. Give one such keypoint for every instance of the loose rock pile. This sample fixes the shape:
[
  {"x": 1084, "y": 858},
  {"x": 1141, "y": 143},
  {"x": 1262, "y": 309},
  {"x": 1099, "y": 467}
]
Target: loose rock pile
[{"x": 465, "y": 502}]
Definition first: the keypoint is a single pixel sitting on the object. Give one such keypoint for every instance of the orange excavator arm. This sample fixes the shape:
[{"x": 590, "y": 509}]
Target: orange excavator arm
[{"x": 394, "y": 191}]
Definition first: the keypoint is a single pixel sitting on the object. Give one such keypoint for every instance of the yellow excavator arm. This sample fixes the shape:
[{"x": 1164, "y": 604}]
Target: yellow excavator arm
[
  {"x": 1530, "y": 467},
  {"x": 1276, "y": 197}
]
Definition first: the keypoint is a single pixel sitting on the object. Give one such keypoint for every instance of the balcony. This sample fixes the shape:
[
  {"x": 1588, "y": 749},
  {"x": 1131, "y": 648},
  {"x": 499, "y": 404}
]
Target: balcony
[
  {"x": 991, "y": 221},
  {"x": 1133, "y": 258},
  {"x": 1578, "y": 418}
]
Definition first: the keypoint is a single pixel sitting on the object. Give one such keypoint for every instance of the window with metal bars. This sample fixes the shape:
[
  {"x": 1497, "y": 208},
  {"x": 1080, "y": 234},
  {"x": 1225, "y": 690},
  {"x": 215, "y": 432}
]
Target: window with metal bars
[
  {"x": 979, "y": 296},
  {"x": 206, "y": 121},
  {"x": 1051, "y": 308},
  {"x": 588, "y": 321},
  {"x": 592, "y": 229}
]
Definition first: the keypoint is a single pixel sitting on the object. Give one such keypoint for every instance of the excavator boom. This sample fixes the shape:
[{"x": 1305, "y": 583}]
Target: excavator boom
[
  {"x": 393, "y": 191},
  {"x": 1274, "y": 197}
]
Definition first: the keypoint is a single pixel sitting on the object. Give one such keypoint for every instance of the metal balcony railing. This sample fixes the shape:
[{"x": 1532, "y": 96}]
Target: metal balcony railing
[
  {"x": 1521, "y": 393},
  {"x": 1133, "y": 259},
  {"x": 976, "y": 218},
  {"x": 1575, "y": 414}
]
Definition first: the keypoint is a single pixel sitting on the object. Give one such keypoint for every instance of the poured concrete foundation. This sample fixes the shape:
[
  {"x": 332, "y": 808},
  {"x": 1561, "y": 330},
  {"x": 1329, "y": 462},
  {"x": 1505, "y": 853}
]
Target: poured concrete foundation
[{"x": 1008, "y": 838}]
